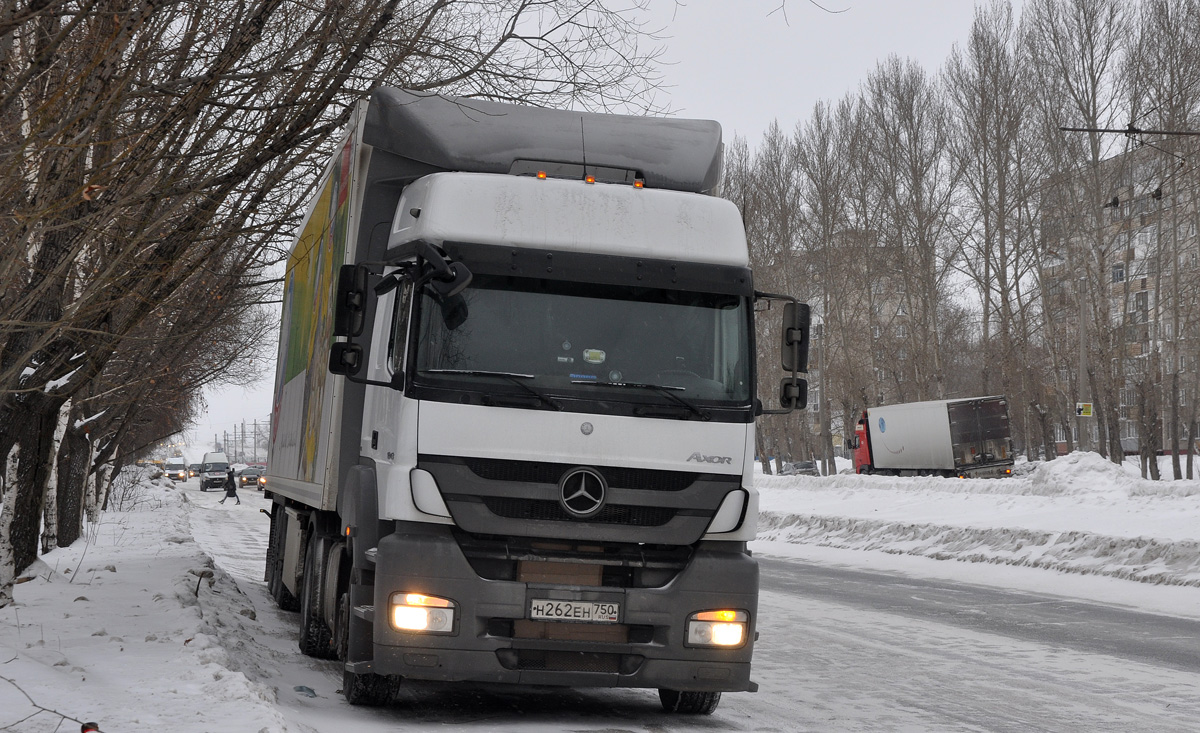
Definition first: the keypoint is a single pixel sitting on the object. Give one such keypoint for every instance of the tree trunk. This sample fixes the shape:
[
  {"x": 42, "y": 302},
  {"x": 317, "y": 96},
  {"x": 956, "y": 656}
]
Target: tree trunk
[
  {"x": 1191, "y": 448},
  {"x": 50, "y": 493},
  {"x": 12, "y": 464},
  {"x": 32, "y": 430},
  {"x": 75, "y": 461},
  {"x": 760, "y": 446}
]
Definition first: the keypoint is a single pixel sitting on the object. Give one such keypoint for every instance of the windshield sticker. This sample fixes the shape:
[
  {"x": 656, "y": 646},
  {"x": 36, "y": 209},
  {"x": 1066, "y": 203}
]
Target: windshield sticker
[
  {"x": 614, "y": 376},
  {"x": 583, "y": 376},
  {"x": 566, "y": 360},
  {"x": 593, "y": 356}
]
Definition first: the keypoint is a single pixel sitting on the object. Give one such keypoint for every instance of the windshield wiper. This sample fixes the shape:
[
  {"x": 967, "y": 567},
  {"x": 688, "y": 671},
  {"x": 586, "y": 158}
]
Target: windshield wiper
[
  {"x": 666, "y": 390},
  {"x": 510, "y": 376}
]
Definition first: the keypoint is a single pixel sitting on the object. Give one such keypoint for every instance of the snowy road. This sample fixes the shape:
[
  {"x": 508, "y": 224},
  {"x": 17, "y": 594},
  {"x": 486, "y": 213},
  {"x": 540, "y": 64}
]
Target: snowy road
[{"x": 840, "y": 650}]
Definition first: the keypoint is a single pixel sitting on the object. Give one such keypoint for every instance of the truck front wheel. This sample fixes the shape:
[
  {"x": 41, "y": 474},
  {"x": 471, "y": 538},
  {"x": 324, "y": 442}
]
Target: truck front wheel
[
  {"x": 689, "y": 703},
  {"x": 369, "y": 689},
  {"x": 360, "y": 688}
]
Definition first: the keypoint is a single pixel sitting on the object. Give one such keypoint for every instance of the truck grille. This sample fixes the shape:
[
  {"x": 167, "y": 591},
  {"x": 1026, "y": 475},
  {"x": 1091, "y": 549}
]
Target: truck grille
[
  {"x": 640, "y": 479},
  {"x": 639, "y": 516},
  {"x": 488, "y": 496}
]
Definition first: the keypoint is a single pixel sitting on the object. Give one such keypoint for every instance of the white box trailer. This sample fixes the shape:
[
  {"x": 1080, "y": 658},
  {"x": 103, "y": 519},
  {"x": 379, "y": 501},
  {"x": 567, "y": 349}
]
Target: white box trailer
[
  {"x": 968, "y": 437},
  {"x": 514, "y": 405}
]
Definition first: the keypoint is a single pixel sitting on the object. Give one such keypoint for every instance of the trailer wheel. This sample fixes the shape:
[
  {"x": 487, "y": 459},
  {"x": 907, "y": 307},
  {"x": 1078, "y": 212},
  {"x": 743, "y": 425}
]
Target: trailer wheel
[
  {"x": 315, "y": 639},
  {"x": 689, "y": 703},
  {"x": 279, "y": 592}
]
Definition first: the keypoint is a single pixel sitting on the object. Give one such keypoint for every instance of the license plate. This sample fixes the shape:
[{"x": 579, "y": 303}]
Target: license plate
[{"x": 541, "y": 609}]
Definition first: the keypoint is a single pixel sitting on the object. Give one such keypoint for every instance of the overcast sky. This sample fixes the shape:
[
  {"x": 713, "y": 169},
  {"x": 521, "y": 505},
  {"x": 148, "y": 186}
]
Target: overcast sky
[
  {"x": 744, "y": 63},
  {"x": 747, "y": 63}
]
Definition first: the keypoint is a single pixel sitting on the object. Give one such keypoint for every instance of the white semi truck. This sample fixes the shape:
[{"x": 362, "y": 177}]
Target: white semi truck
[{"x": 514, "y": 405}]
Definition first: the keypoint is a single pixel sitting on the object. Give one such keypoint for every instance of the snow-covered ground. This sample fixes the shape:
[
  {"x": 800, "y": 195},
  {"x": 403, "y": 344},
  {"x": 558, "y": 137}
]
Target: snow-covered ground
[{"x": 140, "y": 630}]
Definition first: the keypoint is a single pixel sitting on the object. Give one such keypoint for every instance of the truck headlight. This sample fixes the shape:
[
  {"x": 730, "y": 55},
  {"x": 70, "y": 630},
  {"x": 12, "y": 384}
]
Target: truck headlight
[
  {"x": 722, "y": 628},
  {"x": 421, "y": 613}
]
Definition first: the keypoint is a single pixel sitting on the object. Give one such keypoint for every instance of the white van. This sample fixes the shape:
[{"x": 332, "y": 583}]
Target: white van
[
  {"x": 213, "y": 469},
  {"x": 177, "y": 468}
]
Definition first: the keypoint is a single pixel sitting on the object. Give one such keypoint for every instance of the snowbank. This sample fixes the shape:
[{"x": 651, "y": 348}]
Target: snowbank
[
  {"x": 1076, "y": 514},
  {"x": 134, "y": 613}
]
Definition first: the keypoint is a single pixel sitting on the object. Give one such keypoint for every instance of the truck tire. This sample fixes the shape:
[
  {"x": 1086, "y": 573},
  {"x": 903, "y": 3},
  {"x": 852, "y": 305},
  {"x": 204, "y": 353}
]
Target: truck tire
[
  {"x": 279, "y": 592},
  {"x": 315, "y": 639},
  {"x": 689, "y": 703},
  {"x": 369, "y": 689}
]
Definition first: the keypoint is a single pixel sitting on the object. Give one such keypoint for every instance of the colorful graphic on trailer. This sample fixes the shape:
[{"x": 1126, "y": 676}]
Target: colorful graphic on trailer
[{"x": 307, "y": 327}]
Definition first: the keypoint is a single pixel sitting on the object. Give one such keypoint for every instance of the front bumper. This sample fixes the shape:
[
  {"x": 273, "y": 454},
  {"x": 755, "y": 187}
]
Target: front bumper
[
  {"x": 649, "y": 652},
  {"x": 991, "y": 470}
]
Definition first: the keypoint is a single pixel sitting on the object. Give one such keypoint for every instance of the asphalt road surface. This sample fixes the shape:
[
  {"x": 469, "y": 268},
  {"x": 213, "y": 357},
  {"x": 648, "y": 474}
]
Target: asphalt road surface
[{"x": 840, "y": 650}]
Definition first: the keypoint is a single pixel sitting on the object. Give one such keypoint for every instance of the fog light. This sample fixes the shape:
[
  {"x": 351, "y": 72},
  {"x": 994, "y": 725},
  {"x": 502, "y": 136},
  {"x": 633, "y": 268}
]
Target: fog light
[
  {"x": 425, "y": 614},
  {"x": 717, "y": 628}
]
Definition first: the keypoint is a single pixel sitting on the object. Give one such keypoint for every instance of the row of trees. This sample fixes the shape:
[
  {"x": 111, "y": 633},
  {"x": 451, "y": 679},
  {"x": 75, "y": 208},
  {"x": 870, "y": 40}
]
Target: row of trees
[
  {"x": 154, "y": 158},
  {"x": 949, "y": 234}
]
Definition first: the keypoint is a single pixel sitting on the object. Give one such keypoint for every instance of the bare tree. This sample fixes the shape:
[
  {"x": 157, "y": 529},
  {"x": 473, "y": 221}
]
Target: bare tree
[
  {"x": 916, "y": 180},
  {"x": 1076, "y": 47},
  {"x": 987, "y": 85},
  {"x": 141, "y": 142}
]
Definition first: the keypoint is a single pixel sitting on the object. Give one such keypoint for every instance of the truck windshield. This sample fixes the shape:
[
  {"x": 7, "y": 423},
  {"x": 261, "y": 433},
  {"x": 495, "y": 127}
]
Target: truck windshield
[{"x": 589, "y": 340}]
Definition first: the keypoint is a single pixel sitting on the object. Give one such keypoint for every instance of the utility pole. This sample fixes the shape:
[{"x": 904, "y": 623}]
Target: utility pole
[
  {"x": 255, "y": 443},
  {"x": 1080, "y": 423}
]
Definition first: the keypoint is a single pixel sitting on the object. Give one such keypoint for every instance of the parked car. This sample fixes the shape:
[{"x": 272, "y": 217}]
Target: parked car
[
  {"x": 252, "y": 476},
  {"x": 800, "y": 468}
]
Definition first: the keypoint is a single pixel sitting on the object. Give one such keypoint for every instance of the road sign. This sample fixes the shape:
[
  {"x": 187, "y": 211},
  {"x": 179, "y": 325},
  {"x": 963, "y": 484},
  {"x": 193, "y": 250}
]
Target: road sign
[{"x": 1083, "y": 409}]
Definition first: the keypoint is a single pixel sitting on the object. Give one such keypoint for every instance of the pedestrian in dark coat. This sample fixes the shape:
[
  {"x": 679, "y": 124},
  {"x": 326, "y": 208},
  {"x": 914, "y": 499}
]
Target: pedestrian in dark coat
[{"x": 230, "y": 488}]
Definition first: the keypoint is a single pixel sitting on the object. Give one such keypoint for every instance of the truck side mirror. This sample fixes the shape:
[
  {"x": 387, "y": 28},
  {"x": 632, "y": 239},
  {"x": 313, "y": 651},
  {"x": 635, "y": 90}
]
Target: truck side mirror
[
  {"x": 793, "y": 394},
  {"x": 345, "y": 358},
  {"x": 350, "y": 303},
  {"x": 794, "y": 349}
]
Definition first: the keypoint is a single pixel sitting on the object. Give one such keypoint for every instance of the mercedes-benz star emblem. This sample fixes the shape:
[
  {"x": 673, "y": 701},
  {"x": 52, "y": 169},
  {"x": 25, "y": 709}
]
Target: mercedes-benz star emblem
[
  {"x": 582, "y": 492},
  {"x": 586, "y": 428}
]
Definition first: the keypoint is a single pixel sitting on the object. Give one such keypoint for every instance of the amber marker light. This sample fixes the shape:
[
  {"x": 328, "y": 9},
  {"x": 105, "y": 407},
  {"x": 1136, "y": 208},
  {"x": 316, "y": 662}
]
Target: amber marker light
[
  {"x": 589, "y": 179},
  {"x": 542, "y": 175},
  {"x": 639, "y": 183}
]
